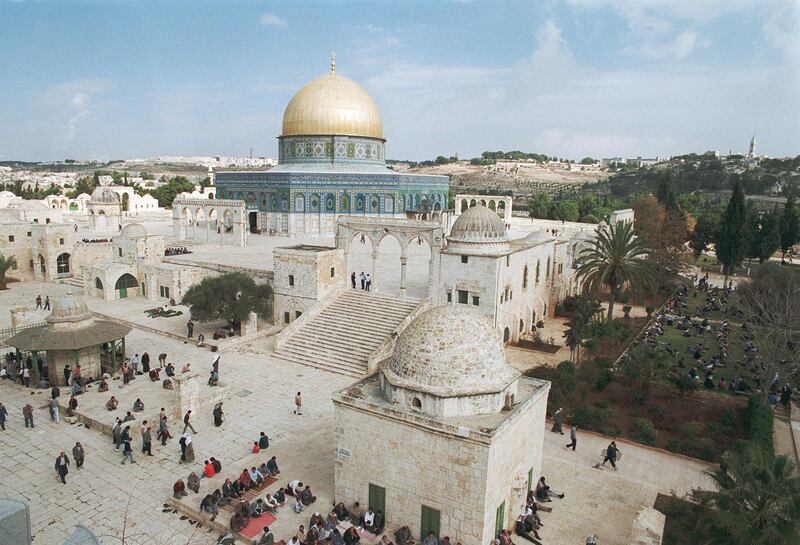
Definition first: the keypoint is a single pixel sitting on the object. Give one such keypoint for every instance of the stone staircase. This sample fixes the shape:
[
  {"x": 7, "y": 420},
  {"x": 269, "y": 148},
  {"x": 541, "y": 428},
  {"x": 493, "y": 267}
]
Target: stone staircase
[
  {"x": 346, "y": 331},
  {"x": 76, "y": 283}
]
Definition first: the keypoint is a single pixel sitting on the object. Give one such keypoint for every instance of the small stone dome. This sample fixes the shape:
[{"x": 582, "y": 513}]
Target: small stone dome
[
  {"x": 134, "y": 230},
  {"x": 68, "y": 309},
  {"x": 478, "y": 224},
  {"x": 449, "y": 351},
  {"x": 538, "y": 236},
  {"x": 104, "y": 195}
]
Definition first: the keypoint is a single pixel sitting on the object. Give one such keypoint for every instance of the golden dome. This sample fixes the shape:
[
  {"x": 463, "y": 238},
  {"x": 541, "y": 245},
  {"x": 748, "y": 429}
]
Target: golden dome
[{"x": 332, "y": 105}]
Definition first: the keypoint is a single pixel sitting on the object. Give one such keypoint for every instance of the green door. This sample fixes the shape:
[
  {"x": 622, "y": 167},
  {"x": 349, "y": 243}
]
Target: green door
[
  {"x": 499, "y": 522},
  {"x": 430, "y": 522},
  {"x": 377, "y": 499},
  {"x": 123, "y": 292}
]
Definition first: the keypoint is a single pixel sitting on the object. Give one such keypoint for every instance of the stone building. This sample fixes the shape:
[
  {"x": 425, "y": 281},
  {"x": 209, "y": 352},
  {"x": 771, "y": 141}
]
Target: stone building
[
  {"x": 514, "y": 282},
  {"x": 446, "y": 437},
  {"x": 105, "y": 211},
  {"x": 72, "y": 336},
  {"x": 331, "y": 162}
]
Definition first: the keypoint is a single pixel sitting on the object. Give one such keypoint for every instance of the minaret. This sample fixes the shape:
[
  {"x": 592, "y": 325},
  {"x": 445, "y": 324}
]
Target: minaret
[
  {"x": 333, "y": 62},
  {"x": 752, "y": 153}
]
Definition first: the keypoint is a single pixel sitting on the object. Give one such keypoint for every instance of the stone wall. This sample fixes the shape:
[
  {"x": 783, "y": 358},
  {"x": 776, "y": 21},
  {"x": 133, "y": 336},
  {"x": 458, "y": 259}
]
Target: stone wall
[{"x": 302, "y": 277}]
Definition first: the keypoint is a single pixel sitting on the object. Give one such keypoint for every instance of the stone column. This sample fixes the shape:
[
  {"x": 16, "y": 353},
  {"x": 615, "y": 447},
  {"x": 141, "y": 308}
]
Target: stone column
[
  {"x": 188, "y": 392},
  {"x": 374, "y": 268},
  {"x": 403, "y": 260}
]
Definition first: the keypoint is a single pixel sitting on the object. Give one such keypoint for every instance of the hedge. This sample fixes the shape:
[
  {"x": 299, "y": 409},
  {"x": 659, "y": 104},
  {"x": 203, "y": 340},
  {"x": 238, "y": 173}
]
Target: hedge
[{"x": 759, "y": 424}]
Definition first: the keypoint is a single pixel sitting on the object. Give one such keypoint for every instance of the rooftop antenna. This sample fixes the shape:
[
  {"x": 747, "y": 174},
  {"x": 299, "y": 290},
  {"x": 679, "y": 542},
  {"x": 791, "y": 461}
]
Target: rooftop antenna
[{"x": 333, "y": 62}]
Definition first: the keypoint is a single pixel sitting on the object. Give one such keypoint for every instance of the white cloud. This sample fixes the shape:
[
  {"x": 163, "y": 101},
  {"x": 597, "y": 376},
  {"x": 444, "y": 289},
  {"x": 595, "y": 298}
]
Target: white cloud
[
  {"x": 75, "y": 100},
  {"x": 270, "y": 19}
]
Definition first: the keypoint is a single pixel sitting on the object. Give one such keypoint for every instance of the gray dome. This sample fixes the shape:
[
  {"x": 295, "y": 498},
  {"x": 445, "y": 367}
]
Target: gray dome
[
  {"x": 134, "y": 230},
  {"x": 448, "y": 351},
  {"x": 104, "y": 195},
  {"x": 68, "y": 309},
  {"x": 478, "y": 224}
]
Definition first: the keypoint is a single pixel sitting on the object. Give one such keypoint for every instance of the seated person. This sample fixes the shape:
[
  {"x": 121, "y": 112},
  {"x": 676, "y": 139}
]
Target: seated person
[
  {"x": 351, "y": 536},
  {"x": 544, "y": 492},
  {"x": 263, "y": 441},
  {"x": 208, "y": 470},
  {"x": 341, "y": 511},
  {"x": 128, "y": 417},
  {"x": 312, "y": 538},
  {"x": 238, "y": 523},
  {"x": 430, "y": 539},
  {"x": 193, "y": 482},
  {"x": 280, "y": 496},
  {"x": 403, "y": 536},
  {"x": 256, "y": 476},
  {"x": 298, "y": 505},
  {"x": 270, "y": 504},
  {"x": 209, "y": 506},
  {"x": 336, "y": 537},
  {"x": 368, "y": 520},
  {"x": 272, "y": 466},
  {"x": 154, "y": 374},
  {"x": 170, "y": 370},
  {"x": 217, "y": 465},
  {"x": 257, "y": 508},
  {"x": 245, "y": 480},
  {"x": 356, "y": 512},
  {"x": 185, "y": 368},
  {"x": 213, "y": 380},
  {"x": 294, "y": 487},
  {"x": 112, "y": 403},
  {"x": 267, "y": 538},
  {"x": 315, "y": 518},
  {"x": 263, "y": 470},
  {"x": 218, "y": 498},
  {"x": 256, "y": 449},
  {"x": 377, "y": 526},
  {"x": 243, "y": 508},
  {"x": 77, "y": 389},
  {"x": 179, "y": 489},
  {"x": 167, "y": 384},
  {"x": 103, "y": 386},
  {"x": 228, "y": 491},
  {"x": 138, "y": 405},
  {"x": 306, "y": 496}
]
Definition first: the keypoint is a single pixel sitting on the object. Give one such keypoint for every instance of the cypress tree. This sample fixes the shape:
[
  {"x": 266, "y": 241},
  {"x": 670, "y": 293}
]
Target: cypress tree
[
  {"x": 732, "y": 236},
  {"x": 790, "y": 226}
]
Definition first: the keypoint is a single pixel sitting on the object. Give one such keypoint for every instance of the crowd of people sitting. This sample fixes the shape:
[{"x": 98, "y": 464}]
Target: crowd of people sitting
[
  {"x": 91, "y": 240},
  {"x": 176, "y": 251}
]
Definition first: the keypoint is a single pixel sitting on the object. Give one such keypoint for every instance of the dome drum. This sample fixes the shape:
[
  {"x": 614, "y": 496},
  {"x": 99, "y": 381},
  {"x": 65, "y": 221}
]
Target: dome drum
[{"x": 104, "y": 195}]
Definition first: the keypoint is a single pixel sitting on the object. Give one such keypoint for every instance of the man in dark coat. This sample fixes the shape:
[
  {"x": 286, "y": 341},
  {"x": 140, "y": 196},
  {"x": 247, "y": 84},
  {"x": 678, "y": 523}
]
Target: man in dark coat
[
  {"x": 62, "y": 466},
  {"x": 78, "y": 455}
]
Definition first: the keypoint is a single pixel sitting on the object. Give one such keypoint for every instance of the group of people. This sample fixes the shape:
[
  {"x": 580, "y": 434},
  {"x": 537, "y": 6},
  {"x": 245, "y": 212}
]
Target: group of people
[
  {"x": 176, "y": 251},
  {"x": 364, "y": 279}
]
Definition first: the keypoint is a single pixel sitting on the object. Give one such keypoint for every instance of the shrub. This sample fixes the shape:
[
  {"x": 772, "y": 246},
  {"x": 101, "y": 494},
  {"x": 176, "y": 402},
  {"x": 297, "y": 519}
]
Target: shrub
[
  {"x": 649, "y": 309},
  {"x": 693, "y": 430},
  {"x": 604, "y": 379},
  {"x": 657, "y": 413},
  {"x": 644, "y": 431},
  {"x": 684, "y": 383},
  {"x": 729, "y": 418},
  {"x": 566, "y": 375},
  {"x": 593, "y": 418},
  {"x": 639, "y": 363},
  {"x": 641, "y": 393},
  {"x": 759, "y": 424},
  {"x": 626, "y": 310}
]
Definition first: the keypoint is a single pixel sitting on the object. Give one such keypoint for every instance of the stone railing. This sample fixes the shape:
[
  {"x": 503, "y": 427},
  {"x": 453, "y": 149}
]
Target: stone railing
[
  {"x": 384, "y": 350},
  {"x": 209, "y": 202},
  {"x": 648, "y": 527},
  {"x": 293, "y": 327}
]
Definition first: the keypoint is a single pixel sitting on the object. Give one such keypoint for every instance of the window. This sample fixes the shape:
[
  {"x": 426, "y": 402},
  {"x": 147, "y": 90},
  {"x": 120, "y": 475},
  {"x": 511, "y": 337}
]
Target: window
[
  {"x": 62, "y": 264},
  {"x": 430, "y": 521},
  {"x": 416, "y": 403},
  {"x": 47, "y": 220},
  {"x": 560, "y": 267},
  {"x": 11, "y": 238},
  {"x": 61, "y": 241},
  {"x": 333, "y": 272},
  {"x": 525, "y": 277},
  {"x": 508, "y": 260},
  {"x": 538, "y": 270},
  {"x": 530, "y": 479},
  {"x": 291, "y": 280},
  {"x": 285, "y": 317},
  {"x": 547, "y": 270},
  {"x": 464, "y": 259},
  {"x": 166, "y": 292},
  {"x": 14, "y": 265},
  {"x": 161, "y": 290},
  {"x": 463, "y": 297},
  {"x": 500, "y": 519},
  {"x": 297, "y": 314},
  {"x": 449, "y": 296},
  {"x": 476, "y": 300},
  {"x": 119, "y": 251},
  {"x": 29, "y": 233},
  {"x": 35, "y": 220}
]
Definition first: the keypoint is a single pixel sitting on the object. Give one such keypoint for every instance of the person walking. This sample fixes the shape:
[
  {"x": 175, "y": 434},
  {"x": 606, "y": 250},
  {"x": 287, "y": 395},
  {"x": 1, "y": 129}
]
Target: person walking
[
  {"x": 135, "y": 364},
  {"x": 218, "y": 414},
  {"x": 27, "y": 413},
  {"x": 46, "y": 302},
  {"x": 557, "y": 420},
  {"x": 363, "y": 280},
  {"x": 163, "y": 430},
  {"x": 67, "y": 373},
  {"x": 53, "y": 407},
  {"x": 38, "y": 302},
  {"x": 368, "y": 282},
  {"x": 612, "y": 453},
  {"x": 62, "y": 466},
  {"x": 298, "y": 403},
  {"x": 116, "y": 433},
  {"x": 145, "y": 363},
  {"x": 573, "y": 437},
  {"x": 190, "y": 327},
  {"x": 55, "y": 392},
  {"x": 3, "y": 414},
  {"x": 187, "y": 424},
  {"x": 147, "y": 439},
  {"x": 353, "y": 279},
  {"x": 127, "y": 451},
  {"x": 78, "y": 455}
]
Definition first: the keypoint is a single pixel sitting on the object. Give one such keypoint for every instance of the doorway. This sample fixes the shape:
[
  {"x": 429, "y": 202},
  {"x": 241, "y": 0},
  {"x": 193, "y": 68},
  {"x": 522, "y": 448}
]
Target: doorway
[{"x": 252, "y": 218}]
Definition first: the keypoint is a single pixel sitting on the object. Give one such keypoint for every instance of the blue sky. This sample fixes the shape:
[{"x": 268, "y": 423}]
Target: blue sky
[{"x": 83, "y": 79}]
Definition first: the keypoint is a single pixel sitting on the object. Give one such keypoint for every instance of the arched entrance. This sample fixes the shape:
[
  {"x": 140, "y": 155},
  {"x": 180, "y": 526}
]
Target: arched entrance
[
  {"x": 361, "y": 252},
  {"x": 62, "y": 264},
  {"x": 101, "y": 221},
  {"x": 506, "y": 335},
  {"x": 42, "y": 265},
  {"x": 418, "y": 266},
  {"x": 124, "y": 283},
  {"x": 388, "y": 273}
]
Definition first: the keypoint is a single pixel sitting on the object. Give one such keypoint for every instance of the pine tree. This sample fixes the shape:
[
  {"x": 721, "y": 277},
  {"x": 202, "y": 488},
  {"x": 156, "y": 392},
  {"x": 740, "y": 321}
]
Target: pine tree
[
  {"x": 732, "y": 236},
  {"x": 665, "y": 193},
  {"x": 789, "y": 225}
]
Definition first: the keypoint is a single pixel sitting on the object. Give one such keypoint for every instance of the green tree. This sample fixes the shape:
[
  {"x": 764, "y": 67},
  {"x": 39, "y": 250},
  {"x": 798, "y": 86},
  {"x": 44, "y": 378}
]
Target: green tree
[
  {"x": 578, "y": 325},
  {"x": 167, "y": 192},
  {"x": 616, "y": 259},
  {"x": 588, "y": 161},
  {"x": 665, "y": 193},
  {"x": 789, "y": 225},
  {"x": 6, "y": 264},
  {"x": 757, "y": 501},
  {"x": 732, "y": 236},
  {"x": 565, "y": 210},
  {"x": 231, "y": 296},
  {"x": 539, "y": 206},
  {"x": 764, "y": 235},
  {"x": 702, "y": 235},
  {"x": 83, "y": 185}
]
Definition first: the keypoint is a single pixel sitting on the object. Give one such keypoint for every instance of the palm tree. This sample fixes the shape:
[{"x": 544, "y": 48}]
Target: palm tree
[
  {"x": 6, "y": 263},
  {"x": 617, "y": 258},
  {"x": 758, "y": 501}
]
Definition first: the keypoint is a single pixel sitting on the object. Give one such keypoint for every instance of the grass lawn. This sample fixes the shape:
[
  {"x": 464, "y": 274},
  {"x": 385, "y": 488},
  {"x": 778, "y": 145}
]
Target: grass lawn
[{"x": 746, "y": 269}]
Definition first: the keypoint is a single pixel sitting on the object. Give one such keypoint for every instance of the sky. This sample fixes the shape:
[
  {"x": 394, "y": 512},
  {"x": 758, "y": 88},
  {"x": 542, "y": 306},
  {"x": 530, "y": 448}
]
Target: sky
[{"x": 573, "y": 78}]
